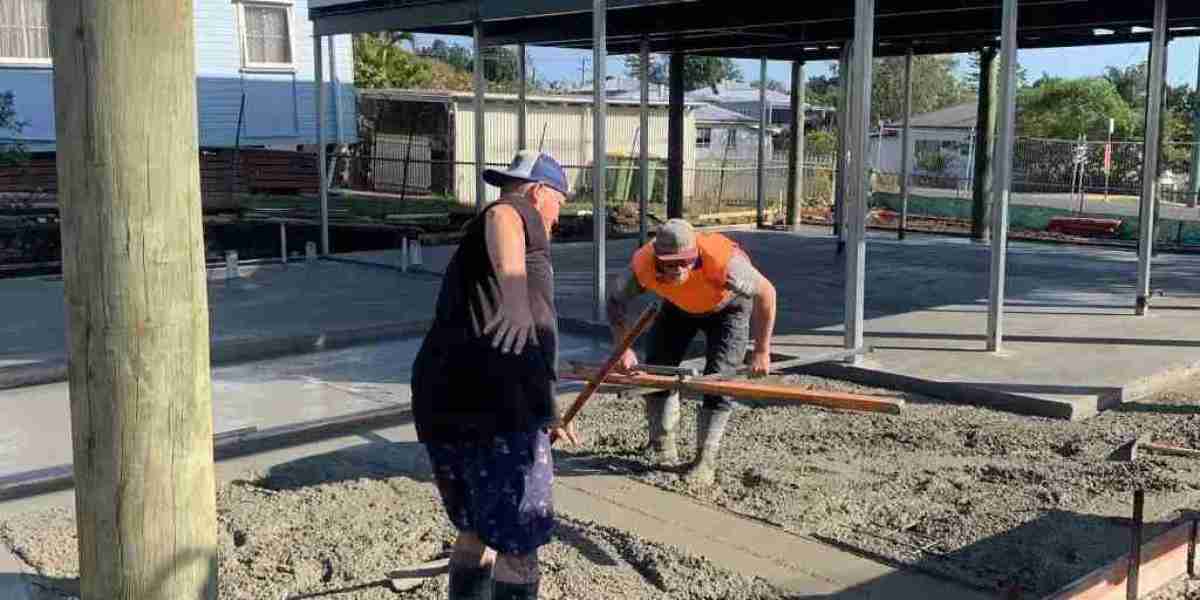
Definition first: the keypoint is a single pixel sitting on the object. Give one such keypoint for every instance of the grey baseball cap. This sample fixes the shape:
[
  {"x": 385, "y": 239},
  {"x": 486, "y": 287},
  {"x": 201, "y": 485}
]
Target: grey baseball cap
[
  {"x": 676, "y": 239},
  {"x": 529, "y": 165}
]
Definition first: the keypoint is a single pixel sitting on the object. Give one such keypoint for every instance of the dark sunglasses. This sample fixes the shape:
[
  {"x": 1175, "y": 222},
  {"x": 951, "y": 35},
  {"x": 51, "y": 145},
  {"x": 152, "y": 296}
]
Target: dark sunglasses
[{"x": 663, "y": 266}]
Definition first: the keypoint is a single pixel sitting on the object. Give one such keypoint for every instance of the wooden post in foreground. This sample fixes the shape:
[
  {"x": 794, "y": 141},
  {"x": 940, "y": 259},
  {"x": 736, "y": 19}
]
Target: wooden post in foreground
[{"x": 137, "y": 311}]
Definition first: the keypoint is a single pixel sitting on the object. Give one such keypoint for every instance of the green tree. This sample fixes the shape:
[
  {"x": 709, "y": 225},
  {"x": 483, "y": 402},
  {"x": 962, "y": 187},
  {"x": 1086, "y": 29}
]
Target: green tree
[
  {"x": 380, "y": 63},
  {"x": 822, "y": 90},
  {"x": 1130, "y": 83},
  {"x": 501, "y": 64},
  {"x": 971, "y": 77},
  {"x": 820, "y": 142},
  {"x": 10, "y": 152},
  {"x": 501, "y": 67},
  {"x": 1068, "y": 108},
  {"x": 455, "y": 55},
  {"x": 698, "y": 71},
  {"x": 935, "y": 86}
]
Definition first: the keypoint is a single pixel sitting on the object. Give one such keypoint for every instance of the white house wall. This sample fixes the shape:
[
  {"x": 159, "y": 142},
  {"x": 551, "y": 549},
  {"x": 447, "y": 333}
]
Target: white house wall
[{"x": 887, "y": 159}]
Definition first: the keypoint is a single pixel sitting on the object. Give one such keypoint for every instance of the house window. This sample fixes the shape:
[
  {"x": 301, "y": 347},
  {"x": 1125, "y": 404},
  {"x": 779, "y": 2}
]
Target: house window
[
  {"x": 266, "y": 35},
  {"x": 24, "y": 31},
  {"x": 703, "y": 137}
]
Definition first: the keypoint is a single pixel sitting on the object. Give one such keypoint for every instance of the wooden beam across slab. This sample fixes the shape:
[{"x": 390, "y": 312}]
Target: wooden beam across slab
[
  {"x": 1164, "y": 558},
  {"x": 745, "y": 389}
]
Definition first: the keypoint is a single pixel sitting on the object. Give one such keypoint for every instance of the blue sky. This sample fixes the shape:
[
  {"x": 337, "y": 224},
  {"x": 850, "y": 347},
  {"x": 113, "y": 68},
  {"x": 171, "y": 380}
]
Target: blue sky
[{"x": 557, "y": 64}]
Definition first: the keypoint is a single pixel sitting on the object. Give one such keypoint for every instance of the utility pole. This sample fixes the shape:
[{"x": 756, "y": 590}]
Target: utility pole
[
  {"x": 136, "y": 298},
  {"x": 584, "y": 67}
]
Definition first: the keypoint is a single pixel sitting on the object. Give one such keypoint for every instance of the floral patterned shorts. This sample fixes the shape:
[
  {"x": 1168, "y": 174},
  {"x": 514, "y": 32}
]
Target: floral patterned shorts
[{"x": 498, "y": 489}]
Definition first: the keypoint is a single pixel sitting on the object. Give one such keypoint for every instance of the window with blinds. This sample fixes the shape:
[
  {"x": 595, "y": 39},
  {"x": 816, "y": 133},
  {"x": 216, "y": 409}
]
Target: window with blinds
[
  {"x": 24, "y": 31},
  {"x": 267, "y": 34}
]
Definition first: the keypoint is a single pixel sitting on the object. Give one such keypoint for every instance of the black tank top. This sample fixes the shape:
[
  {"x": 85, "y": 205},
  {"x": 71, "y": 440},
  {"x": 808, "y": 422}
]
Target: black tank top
[{"x": 463, "y": 389}]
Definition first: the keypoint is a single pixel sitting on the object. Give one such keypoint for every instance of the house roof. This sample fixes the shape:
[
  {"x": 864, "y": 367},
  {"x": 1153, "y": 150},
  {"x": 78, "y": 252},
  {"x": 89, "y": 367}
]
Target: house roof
[
  {"x": 711, "y": 113},
  {"x": 959, "y": 116},
  {"x": 737, "y": 92}
]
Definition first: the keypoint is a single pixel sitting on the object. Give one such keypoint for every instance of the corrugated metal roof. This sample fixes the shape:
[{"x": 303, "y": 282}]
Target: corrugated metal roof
[
  {"x": 737, "y": 92},
  {"x": 709, "y": 113},
  {"x": 959, "y": 116}
]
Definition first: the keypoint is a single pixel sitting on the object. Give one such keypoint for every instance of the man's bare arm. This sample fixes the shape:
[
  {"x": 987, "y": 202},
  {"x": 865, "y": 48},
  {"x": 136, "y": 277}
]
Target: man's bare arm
[{"x": 504, "y": 232}]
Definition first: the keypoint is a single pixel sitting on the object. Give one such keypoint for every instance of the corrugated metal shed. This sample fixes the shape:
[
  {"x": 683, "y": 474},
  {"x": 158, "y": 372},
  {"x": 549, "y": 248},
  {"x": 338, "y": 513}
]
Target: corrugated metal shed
[{"x": 560, "y": 125}]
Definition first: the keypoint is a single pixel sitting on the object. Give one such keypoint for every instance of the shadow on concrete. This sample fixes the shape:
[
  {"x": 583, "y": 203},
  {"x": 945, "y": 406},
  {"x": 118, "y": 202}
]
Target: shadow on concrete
[
  {"x": 574, "y": 537},
  {"x": 375, "y": 460},
  {"x": 1161, "y": 409},
  {"x": 31, "y": 586},
  {"x": 23, "y": 586},
  {"x": 1068, "y": 390}
]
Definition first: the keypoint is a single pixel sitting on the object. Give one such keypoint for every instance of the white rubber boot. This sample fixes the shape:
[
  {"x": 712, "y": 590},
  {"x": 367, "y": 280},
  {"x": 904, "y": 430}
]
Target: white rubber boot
[
  {"x": 710, "y": 428},
  {"x": 662, "y": 417}
]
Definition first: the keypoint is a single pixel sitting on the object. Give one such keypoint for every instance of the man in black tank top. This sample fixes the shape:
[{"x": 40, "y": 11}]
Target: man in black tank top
[{"x": 483, "y": 385}]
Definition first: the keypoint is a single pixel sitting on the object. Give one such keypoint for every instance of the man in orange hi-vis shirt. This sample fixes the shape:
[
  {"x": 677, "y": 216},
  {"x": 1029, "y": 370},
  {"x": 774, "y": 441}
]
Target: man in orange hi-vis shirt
[{"x": 708, "y": 285}]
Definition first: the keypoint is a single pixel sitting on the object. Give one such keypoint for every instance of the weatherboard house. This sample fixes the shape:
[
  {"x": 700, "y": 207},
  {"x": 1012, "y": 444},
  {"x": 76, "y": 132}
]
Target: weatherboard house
[{"x": 254, "y": 75}]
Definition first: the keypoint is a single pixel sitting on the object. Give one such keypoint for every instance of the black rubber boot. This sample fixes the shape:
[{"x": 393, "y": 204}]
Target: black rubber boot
[
  {"x": 470, "y": 583},
  {"x": 515, "y": 591}
]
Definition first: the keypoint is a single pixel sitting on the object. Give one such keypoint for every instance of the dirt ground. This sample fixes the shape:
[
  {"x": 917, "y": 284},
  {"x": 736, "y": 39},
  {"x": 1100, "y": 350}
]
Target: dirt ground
[
  {"x": 987, "y": 498},
  {"x": 283, "y": 536}
]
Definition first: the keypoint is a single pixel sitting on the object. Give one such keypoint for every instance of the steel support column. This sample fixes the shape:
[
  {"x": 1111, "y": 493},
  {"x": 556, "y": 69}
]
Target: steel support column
[
  {"x": 855, "y": 210},
  {"x": 599, "y": 155},
  {"x": 646, "y": 179},
  {"x": 323, "y": 185},
  {"x": 985, "y": 145},
  {"x": 840, "y": 181},
  {"x": 906, "y": 146},
  {"x": 675, "y": 139},
  {"x": 1002, "y": 173},
  {"x": 522, "y": 105},
  {"x": 336, "y": 88},
  {"x": 796, "y": 149},
  {"x": 760, "y": 189},
  {"x": 1154, "y": 106},
  {"x": 480, "y": 87}
]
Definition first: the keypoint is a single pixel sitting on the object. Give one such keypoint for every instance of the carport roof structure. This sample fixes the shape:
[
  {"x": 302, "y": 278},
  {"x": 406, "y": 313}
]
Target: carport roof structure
[
  {"x": 775, "y": 30},
  {"x": 854, "y": 31}
]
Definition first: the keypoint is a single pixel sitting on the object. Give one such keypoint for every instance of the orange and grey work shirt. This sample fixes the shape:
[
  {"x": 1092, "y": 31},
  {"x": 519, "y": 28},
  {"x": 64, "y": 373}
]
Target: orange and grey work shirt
[{"x": 741, "y": 280}]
